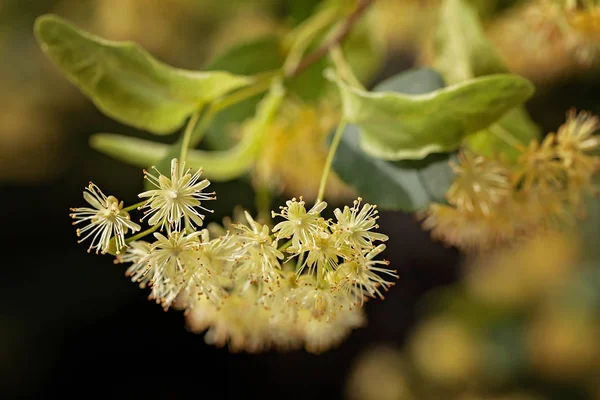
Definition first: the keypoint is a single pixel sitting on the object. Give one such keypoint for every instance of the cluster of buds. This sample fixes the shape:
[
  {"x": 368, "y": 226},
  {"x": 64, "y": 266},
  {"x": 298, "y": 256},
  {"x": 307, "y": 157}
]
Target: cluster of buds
[
  {"x": 303, "y": 282},
  {"x": 493, "y": 203}
]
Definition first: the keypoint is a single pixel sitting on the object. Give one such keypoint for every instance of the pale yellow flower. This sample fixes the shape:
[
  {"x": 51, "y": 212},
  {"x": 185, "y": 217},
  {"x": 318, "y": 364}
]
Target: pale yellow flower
[
  {"x": 318, "y": 298},
  {"x": 105, "y": 220},
  {"x": 322, "y": 255},
  {"x": 576, "y": 144},
  {"x": 240, "y": 323},
  {"x": 355, "y": 226},
  {"x": 300, "y": 225},
  {"x": 492, "y": 204},
  {"x": 169, "y": 263},
  {"x": 471, "y": 232},
  {"x": 138, "y": 271},
  {"x": 363, "y": 276},
  {"x": 321, "y": 335},
  {"x": 176, "y": 199},
  {"x": 539, "y": 166},
  {"x": 257, "y": 256},
  {"x": 480, "y": 184}
]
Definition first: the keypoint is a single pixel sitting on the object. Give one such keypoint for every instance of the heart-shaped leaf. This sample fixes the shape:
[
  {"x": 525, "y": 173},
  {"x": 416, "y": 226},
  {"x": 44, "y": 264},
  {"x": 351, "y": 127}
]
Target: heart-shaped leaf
[
  {"x": 406, "y": 185},
  {"x": 127, "y": 83},
  {"x": 396, "y": 126}
]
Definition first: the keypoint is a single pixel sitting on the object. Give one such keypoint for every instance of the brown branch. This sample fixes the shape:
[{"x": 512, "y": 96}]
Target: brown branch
[{"x": 337, "y": 38}]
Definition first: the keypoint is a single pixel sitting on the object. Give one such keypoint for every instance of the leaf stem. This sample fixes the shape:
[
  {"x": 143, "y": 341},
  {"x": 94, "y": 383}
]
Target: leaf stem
[
  {"x": 142, "y": 234},
  {"x": 187, "y": 134},
  {"x": 260, "y": 86},
  {"x": 335, "y": 142},
  {"x": 201, "y": 127},
  {"x": 134, "y": 206},
  {"x": 241, "y": 95},
  {"x": 303, "y": 36},
  {"x": 334, "y": 40},
  {"x": 343, "y": 68}
]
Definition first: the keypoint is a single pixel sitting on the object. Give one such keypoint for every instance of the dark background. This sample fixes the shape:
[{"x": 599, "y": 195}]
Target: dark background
[{"x": 71, "y": 323}]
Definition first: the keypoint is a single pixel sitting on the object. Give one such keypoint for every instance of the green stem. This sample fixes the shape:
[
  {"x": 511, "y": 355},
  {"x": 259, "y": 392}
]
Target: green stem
[
  {"x": 187, "y": 134},
  {"x": 201, "y": 127},
  {"x": 261, "y": 85},
  {"x": 263, "y": 203},
  {"x": 285, "y": 245},
  {"x": 142, "y": 234},
  {"x": 343, "y": 68},
  {"x": 304, "y": 35},
  {"x": 330, "y": 156},
  {"x": 300, "y": 261},
  {"x": 134, "y": 206},
  {"x": 243, "y": 94},
  {"x": 506, "y": 136},
  {"x": 294, "y": 67}
]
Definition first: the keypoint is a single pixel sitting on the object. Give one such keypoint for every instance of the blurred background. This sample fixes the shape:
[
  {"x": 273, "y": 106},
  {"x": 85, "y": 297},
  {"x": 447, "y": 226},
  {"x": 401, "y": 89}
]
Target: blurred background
[{"x": 71, "y": 323}]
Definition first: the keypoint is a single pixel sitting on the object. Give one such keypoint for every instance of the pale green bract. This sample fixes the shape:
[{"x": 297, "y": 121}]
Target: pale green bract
[
  {"x": 127, "y": 83},
  {"x": 218, "y": 165},
  {"x": 397, "y": 126},
  {"x": 463, "y": 52},
  {"x": 461, "y": 48}
]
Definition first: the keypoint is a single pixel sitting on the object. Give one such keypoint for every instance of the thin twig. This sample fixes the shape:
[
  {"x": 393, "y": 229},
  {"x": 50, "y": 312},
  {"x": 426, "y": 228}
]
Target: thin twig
[
  {"x": 335, "y": 142},
  {"x": 337, "y": 38}
]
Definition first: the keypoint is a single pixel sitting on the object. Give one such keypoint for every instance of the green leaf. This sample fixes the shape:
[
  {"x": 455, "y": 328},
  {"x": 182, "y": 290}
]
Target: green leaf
[
  {"x": 398, "y": 126},
  {"x": 300, "y": 10},
  {"x": 415, "y": 81},
  {"x": 218, "y": 165},
  {"x": 310, "y": 85},
  {"x": 125, "y": 82},
  {"x": 503, "y": 138},
  {"x": 130, "y": 150},
  {"x": 463, "y": 52},
  {"x": 250, "y": 58},
  {"x": 406, "y": 185}
]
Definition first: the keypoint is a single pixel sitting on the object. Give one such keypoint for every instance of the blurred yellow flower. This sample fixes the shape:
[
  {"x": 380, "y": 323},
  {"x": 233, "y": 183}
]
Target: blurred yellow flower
[
  {"x": 379, "y": 374},
  {"x": 445, "y": 352},
  {"x": 480, "y": 184},
  {"x": 547, "y": 46},
  {"x": 492, "y": 204},
  {"x": 524, "y": 272},
  {"x": 564, "y": 344},
  {"x": 293, "y": 157}
]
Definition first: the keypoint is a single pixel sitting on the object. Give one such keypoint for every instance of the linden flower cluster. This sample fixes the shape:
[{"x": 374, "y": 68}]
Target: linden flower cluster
[
  {"x": 303, "y": 282},
  {"x": 581, "y": 28},
  {"x": 493, "y": 203}
]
